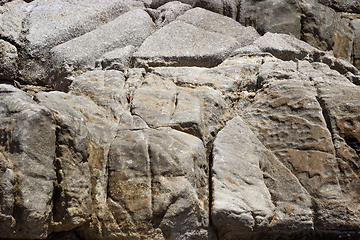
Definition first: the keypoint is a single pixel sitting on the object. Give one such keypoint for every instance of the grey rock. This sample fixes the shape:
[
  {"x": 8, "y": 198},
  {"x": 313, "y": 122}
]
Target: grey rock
[
  {"x": 169, "y": 12},
  {"x": 213, "y": 22},
  {"x": 241, "y": 202},
  {"x": 343, "y": 126},
  {"x": 340, "y": 65},
  {"x": 293, "y": 204},
  {"x": 134, "y": 78},
  {"x": 355, "y": 25},
  {"x": 12, "y": 16},
  {"x": 286, "y": 47},
  {"x": 271, "y": 16},
  {"x": 216, "y": 6},
  {"x": 324, "y": 29},
  {"x": 294, "y": 49},
  {"x": 212, "y": 102},
  {"x": 164, "y": 186},
  {"x": 343, "y": 5},
  {"x": 118, "y": 59},
  {"x": 105, "y": 88},
  {"x": 293, "y": 145},
  {"x": 85, "y": 132},
  {"x": 48, "y": 24},
  {"x": 8, "y": 60},
  {"x": 28, "y": 202},
  {"x": 316, "y": 24},
  {"x": 161, "y": 103},
  {"x": 181, "y": 44},
  {"x": 52, "y": 23},
  {"x": 83, "y": 51},
  {"x": 178, "y": 140},
  {"x": 72, "y": 206},
  {"x": 154, "y": 101},
  {"x": 159, "y": 3}
]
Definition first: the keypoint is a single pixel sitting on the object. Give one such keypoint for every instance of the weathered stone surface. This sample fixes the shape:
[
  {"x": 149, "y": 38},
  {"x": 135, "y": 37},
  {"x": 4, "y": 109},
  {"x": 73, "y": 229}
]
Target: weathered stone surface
[
  {"x": 8, "y": 60},
  {"x": 344, "y": 127},
  {"x": 294, "y": 49},
  {"x": 181, "y": 44},
  {"x": 241, "y": 202},
  {"x": 72, "y": 204},
  {"x": 292, "y": 102},
  {"x": 52, "y": 23},
  {"x": 318, "y": 25},
  {"x": 343, "y": 5},
  {"x": 168, "y": 13},
  {"x": 169, "y": 137},
  {"x": 105, "y": 88},
  {"x": 159, "y": 3},
  {"x": 355, "y": 25},
  {"x": 83, "y": 51},
  {"x": 213, "y": 22},
  {"x": 324, "y": 29},
  {"x": 271, "y": 16},
  {"x": 12, "y": 16},
  {"x": 149, "y": 189},
  {"x": 48, "y": 24},
  {"x": 118, "y": 59},
  {"x": 27, "y": 170},
  {"x": 286, "y": 47},
  {"x": 194, "y": 111}
]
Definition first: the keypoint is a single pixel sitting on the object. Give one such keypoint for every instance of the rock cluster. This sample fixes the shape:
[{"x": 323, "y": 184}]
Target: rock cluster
[{"x": 197, "y": 119}]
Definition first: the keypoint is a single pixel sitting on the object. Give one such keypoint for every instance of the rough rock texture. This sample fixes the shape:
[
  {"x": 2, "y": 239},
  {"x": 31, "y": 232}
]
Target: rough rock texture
[
  {"x": 182, "y": 44},
  {"x": 213, "y": 22},
  {"x": 343, "y": 5},
  {"x": 131, "y": 28},
  {"x": 8, "y": 60},
  {"x": 355, "y": 25},
  {"x": 164, "y": 120}
]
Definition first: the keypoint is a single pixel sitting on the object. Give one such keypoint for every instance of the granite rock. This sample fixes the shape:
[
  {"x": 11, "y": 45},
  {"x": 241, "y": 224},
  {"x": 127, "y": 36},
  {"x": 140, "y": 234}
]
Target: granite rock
[{"x": 156, "y": 119}]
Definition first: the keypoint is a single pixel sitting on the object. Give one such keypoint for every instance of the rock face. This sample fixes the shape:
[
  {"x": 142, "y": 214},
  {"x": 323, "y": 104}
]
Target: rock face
[{"x": 179, "y": 120}]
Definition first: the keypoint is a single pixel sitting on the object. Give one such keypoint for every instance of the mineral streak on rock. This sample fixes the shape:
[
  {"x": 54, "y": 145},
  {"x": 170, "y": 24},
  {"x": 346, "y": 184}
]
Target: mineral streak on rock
[{"x": 179, "y": 120}]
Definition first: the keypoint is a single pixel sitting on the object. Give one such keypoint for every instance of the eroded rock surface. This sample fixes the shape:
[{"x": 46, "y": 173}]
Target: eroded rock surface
[{"x": 178, "y": 120}]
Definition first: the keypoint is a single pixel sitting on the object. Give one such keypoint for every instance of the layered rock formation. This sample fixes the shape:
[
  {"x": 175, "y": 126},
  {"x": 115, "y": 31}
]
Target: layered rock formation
[{"x": 130, "y": 119}]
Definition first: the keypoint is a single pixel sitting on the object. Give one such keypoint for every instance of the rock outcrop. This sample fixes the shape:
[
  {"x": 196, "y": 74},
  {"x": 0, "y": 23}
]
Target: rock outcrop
[{"x": 208, "y": 120}]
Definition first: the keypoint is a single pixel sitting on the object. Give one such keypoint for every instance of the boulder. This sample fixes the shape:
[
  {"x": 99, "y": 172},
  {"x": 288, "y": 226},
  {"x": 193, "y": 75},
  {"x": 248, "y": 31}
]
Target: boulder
[
  {"x": 28, "y": 137},
  {"x": 105, "y": 88},
  {"x": 177, "y": 122},
  {"x": 182, "y": 44},
  {"x": 52, "y": 23},
  {"x": 271, "y": 16},
  {"x": 343, "y": 5},
  {"x": 217, "y": 23},
  {"x": 85, "y": 50},
  {"x": 118, "y": 59},
  {"x": 151, "y": 190},
  {"x": 159, "y": 3},
  {"x": 180, "y": 108},
  {"x": 293, "y": 145},
  {"x": 168, "y": 12},
  {"x": 241, "y": 202},
  {"x": 8, "y": 60},
  {"x": 323, "y": 28},
  {"x": 72, "y": 204},
  {"x": 12, "y": 16},
  {"x": 355, "y": 25}
]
